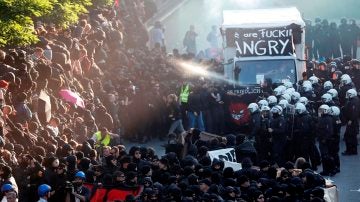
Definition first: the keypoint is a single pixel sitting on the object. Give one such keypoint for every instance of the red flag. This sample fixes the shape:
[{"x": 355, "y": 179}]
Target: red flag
[{"x": 116, "y": 3}]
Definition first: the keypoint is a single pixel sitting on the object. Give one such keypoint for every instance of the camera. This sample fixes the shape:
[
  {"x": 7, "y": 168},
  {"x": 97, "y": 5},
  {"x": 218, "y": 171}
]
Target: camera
[{"x": 69, "y": 186}]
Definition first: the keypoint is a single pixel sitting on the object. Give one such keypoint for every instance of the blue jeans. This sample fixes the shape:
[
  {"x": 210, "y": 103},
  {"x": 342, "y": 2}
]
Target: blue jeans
[
  {"x": 176, "y": 126},
  {"x": 196, "y": 120}
]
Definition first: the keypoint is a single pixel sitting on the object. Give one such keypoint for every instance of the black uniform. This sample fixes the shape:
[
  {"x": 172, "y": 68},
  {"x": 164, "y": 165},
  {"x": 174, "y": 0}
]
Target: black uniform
[
  {"x": 342, "y": 93},
  {"x": 263, "y": 144},
  {"x": 351, "y": 112},
  {"x": 255, "y": 126},
  {"x": 304, "y": 139},
  {"x": 334, "y": 143},
  {"x": 345, "y": 38},
  {"x": 278, "y": 124},
  {"x": 325, "y": 132}
]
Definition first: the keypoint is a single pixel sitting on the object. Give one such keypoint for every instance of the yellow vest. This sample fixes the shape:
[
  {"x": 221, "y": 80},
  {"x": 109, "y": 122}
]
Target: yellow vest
[
  {"x": 184, "y": 94},
  {"x": 104, "y": 142}
]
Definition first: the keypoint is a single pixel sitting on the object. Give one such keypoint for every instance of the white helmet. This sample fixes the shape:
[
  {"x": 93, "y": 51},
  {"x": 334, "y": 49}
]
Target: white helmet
[
  {"x": 307, "y": 87},
  {"x": 262, "y": 103},
  {"x": 326, "y": 98},
  {"x": 334, "y": 111},
  {"x": 306, "y": 82},
  {"x": 295, "y": 96},
  {"x": 314, "y": 79},
  {"x": 328, "y": 85},
  {"x": 333, "y": 93},
  {"x": 300, "y": 108},
  {"x": 288, "y": 84},
  {"x": 283, "y": 104},
  {"x": 276, "y": 110},
  {"x": 286, "y": 97},
  {"x": 290, "y": 91},
  {"x": 279, "y": 90},
  {"x": 303, "y": 100},
  {"x": 345, "y": 79},
  {"x": 324, "y": 109},
  {"x": 265, "y": 108},
  {"x": 253, "y": 107},
  {"x": 351, "y": 93},
  {"x": 272, "y": 100}
]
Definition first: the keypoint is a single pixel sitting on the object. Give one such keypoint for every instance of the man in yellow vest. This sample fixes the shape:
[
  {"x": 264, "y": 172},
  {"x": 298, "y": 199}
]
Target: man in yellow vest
[
  {"x": 184, "y": 93},
  {"x": 184, "y": 98},
  {"x": 103, "y": 137}
]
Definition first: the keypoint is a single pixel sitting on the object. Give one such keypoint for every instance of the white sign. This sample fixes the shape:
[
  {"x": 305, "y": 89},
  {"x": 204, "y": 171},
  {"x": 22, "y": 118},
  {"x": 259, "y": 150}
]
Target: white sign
[
  {"x": 46, "y": 98},
  {"x": 226, "y": 155}
]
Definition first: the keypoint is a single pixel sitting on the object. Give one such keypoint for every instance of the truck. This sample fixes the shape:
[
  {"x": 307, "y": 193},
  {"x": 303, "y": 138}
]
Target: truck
[{"x": 261, "y": 47}]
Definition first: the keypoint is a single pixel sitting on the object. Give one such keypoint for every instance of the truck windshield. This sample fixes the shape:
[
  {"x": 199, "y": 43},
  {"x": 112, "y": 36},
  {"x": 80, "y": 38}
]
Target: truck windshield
[{"x": 258, "y": 71}]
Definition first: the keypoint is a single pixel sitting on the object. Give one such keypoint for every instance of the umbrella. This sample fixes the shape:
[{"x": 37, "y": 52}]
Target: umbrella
[{"x": 72, "y": 97}]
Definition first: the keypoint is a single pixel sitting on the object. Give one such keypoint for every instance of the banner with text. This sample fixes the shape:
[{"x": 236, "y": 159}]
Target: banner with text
[
  {"x": 275, "y": 41},
  {"x": 226, "y": 155}
]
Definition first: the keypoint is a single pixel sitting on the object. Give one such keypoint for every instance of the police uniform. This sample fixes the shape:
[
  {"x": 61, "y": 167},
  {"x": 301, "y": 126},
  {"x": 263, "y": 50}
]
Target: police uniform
[
  {"x": 351, "y": 113},
  {"x": 278, "y": 124},
  {"x": 325, "y": 132}
]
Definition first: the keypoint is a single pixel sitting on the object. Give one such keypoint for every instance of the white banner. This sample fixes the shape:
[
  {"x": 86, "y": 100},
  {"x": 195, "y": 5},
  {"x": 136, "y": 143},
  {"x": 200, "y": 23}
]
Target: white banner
[
  {"x": 226, "y": 155},
  {"x": 331, "y": 194}
]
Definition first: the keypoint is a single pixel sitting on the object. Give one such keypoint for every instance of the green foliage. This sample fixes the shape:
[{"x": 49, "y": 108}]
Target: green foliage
[
  {"x": 17, "y": 17},
  {"x": 16, "y": 24},
  {"x": 66, "y": 12},
  {"x": 102, "y": 3}
]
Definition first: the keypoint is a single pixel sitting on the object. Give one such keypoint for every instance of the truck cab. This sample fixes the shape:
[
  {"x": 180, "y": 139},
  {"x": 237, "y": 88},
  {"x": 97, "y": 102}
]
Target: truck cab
[
  {"x": 263, "y": 44},
  {"x": 260, "y": 47}
]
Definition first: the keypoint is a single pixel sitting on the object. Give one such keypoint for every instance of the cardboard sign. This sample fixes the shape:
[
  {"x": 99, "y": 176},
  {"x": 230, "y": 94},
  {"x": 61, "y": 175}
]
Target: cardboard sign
[
  {"x": 226, "y": 155},
  {"x": 45, "y": 107}
]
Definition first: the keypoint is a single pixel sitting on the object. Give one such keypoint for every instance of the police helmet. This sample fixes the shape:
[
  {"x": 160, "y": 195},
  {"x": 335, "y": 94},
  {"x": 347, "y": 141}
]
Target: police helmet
[
  {"x": 351, "y": 93},
  {"x": 326, "y": 98},
  {"x": 334, "y": 111},
  {"x": 277, "y": 109},
  {"x": 272, "y": 100},
  {"x": 262, "y": 103},
  {"x": 300, "y": 108},
  {"x": 328, "y": 85},
  {"x": 324, "y": 109},
  {"x": 333, "y": 92},
  {"x": 253, "y": 107}
]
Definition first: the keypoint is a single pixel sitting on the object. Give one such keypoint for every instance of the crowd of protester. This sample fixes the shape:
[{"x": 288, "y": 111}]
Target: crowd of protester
[{"x": 135, "y": 93}]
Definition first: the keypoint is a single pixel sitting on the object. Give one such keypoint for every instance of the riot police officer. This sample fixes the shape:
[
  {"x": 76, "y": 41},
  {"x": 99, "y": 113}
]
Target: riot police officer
[
  {"x": 325, "y": 131},
  {"x": 351, "y": 112},
  {"x": 277, "y": 131},
  {"x": 335, "y": 139},
  {"x": 346, "y": 84},
  {"x": 255, "y": 120},
  {"x": 264, "y": 135},
  {"x": 304, "y": 136}
]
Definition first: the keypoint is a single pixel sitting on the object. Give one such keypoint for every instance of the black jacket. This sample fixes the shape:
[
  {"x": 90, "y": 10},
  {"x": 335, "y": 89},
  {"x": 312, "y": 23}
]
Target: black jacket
[
  {"x": 325, "y": 128},
  {"x": 278, "y": 124},
  {"x": 351, "y": 109},
  {"x": 255, "y": 124},
  {"x": 304, "y": 125}
]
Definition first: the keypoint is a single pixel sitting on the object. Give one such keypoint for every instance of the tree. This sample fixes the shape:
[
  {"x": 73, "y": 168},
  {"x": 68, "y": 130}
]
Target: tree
[
  {"x": 103, "y": 3},
  {"x": 16, "y": 24},
  {"x": 17, "y": 17},
  {"x": 66, "y": 12}
]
